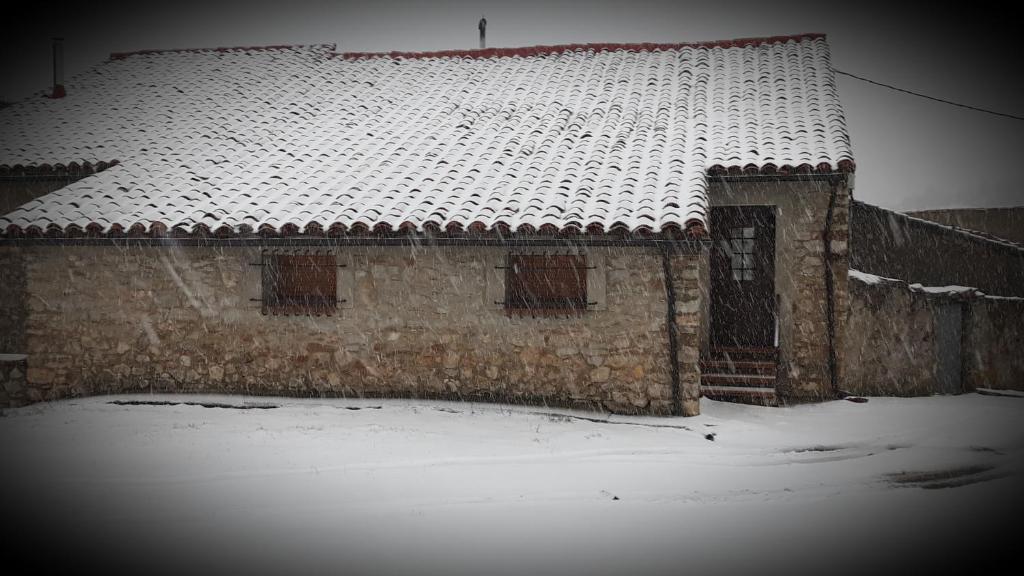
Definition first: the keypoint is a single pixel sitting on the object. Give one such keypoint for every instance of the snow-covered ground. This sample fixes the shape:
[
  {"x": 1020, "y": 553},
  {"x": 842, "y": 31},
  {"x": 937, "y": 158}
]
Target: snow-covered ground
[{"x": 429, "y": 487}]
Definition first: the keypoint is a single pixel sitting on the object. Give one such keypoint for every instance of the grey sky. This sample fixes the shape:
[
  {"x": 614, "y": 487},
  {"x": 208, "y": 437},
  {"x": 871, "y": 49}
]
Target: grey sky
[{"x": 910, "y": 153}]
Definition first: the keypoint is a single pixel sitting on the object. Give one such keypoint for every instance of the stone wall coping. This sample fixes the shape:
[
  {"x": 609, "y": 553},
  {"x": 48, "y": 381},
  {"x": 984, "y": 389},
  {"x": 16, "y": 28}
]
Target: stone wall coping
[
  {"x": 950, "y": 292},
  {"x": 972, "y": 235}
]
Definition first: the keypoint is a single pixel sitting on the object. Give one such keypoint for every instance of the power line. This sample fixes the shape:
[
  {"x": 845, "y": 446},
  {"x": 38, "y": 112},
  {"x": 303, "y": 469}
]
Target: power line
[{"x": 929, "y": 97}]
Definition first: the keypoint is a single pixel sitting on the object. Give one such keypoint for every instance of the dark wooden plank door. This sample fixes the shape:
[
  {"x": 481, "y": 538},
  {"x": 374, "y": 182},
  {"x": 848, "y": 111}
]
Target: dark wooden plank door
[
  {"x": 948, "y": 336},
  {"x": 743, "y": 276}
]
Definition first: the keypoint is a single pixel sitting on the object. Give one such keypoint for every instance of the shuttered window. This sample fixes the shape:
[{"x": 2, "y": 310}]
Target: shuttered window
[
  {"x": 300, "y": 284},
  {"x": 545, "y": 284}
]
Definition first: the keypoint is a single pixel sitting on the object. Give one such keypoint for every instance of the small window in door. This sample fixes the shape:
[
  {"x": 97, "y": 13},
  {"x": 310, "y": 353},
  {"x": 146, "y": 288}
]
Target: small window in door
[{"x": 741, "y": 244}]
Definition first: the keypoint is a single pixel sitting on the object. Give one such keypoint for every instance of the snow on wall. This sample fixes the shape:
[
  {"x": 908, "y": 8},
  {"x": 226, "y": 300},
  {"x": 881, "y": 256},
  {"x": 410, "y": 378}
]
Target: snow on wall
[
  {"x": 963, "y": 292},
  {"x": 901, "y": 338},
  {"x": 593, "y": 138},
  {"x": 871, "y": 279},
  {"x": 889, "y": 338},
  {"x": 889, "y": 244}
]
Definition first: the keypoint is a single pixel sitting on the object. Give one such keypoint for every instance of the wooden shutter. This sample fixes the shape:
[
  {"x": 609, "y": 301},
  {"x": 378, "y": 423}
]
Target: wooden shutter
[
  {"x": 300, "y": 284},
  {"x": 546, "y": 284}
]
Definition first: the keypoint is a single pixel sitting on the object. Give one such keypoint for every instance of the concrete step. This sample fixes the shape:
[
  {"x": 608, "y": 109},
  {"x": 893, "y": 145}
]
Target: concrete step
[
  {"x": 737, "y": 367},
  {"x": 741, "y": 380},
  {"x": 741, "y": 394},
  {"x": 744, "y": 354}
]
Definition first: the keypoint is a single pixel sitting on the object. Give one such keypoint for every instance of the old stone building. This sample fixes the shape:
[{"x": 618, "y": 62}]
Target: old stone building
[{"x": 622, "y": 227}]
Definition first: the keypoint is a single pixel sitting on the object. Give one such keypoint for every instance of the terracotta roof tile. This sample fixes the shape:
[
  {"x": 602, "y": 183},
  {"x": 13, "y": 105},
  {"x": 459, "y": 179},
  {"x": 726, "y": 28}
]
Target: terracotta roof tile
[{"x": 582, "y": 138}]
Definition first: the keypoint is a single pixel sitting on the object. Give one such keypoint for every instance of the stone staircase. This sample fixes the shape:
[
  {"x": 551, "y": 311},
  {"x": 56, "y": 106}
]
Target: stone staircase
[{"x": 744, "y": 375}]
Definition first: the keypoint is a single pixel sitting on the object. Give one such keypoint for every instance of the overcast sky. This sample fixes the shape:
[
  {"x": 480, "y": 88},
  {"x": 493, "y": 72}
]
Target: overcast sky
[{"x": 910, "y": 153}]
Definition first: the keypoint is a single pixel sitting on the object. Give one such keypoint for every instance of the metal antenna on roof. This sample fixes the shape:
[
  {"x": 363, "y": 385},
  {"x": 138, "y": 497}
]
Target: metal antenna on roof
[
  {"x": 483, "y": 32},
  {"x": 58, "y": 68}
]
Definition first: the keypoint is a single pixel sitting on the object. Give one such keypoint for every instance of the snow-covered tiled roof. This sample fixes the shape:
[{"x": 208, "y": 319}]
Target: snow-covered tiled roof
[{"x": 592, "y": 137}]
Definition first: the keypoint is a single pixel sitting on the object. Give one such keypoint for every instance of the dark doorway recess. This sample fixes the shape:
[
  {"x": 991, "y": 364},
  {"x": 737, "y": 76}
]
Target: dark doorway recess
[{"x": 743, "y": 277}]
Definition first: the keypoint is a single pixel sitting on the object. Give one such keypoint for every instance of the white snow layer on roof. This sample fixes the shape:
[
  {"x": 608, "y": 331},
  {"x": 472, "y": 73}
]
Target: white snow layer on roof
[{"x": 250, "y": 138}]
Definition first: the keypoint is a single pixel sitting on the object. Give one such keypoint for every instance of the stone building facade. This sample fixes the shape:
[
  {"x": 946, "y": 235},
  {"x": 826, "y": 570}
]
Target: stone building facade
[
  {"x": 420, "y": 318},
  {"x": 417, "y": 175},
  {"x": 812, "y": 260},
  {"x": 415, "y": 321}
]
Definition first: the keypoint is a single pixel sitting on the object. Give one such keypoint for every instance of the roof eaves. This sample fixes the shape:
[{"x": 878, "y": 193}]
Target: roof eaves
[
  {"x": 57, "y": 169},
  {"x": 845, "y": 166},
  {"x": 967, "y": 233}
]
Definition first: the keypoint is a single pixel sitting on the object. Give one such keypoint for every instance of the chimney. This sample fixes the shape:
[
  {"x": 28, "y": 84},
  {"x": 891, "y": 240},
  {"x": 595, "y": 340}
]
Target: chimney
[
  {"x": 58, "y": 68},
  {"x": 483, "y": 32}
]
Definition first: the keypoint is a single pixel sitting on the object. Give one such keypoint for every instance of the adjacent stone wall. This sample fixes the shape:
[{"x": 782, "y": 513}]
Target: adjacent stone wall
[
  {"x": 18, "y": 190},
  {"x": 894, "y": 345},
  {"x": 894, "y": 245},
  {"x": 801, "y": 212},
  {"x": 890, "y": 339},
  {"x": 1006, "y": 223},
  {"x": 418, "y": 321},
  {"x": 994, "y": 355},
  {"x": 13, "y": 388},
  {"x": 13, "y": 301}
]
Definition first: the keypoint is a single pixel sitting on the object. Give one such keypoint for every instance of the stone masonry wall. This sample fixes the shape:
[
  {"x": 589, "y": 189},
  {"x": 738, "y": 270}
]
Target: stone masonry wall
[
  {"x": 890, "y": 338},
  {"x": 894, "y": 245},
  {"x": 994, "y": 355},
  {"x": 801, "y": 211},
  {"x": 1003, "y": 222},
  {"x": 13, "y": 301},
  {"x": 20, "y": 190},
  {"x": 417, "y": 321},
  {"x": 893, "y": 340},
  {"x": 13, "y": 389},
  {"x": 689, "y": 277}
]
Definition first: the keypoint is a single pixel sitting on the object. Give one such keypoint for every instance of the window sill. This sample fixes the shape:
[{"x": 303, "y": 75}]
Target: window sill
[
  {"x": 544, "y": 312},
  {"x": 299, "y": 311}
]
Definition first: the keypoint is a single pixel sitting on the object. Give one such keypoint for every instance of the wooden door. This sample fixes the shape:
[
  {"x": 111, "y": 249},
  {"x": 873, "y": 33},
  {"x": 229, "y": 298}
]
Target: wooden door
[
  {"x": 743, "y": 276},
  {"x": 948, "y": 335}
]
